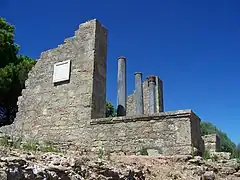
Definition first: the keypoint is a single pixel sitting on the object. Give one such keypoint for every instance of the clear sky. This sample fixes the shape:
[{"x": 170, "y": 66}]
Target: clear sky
[{"x": 192, "y": 45}]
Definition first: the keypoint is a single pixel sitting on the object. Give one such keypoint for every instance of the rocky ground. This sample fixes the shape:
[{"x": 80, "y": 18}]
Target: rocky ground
[{"x": 18, "y": 164}]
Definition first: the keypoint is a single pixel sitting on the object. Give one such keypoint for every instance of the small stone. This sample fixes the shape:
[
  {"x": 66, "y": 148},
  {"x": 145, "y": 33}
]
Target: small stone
[
  {"x": 237, "y": 174},
  {"x": 209, "y": 175},
  {"x": 197, "y": 160},
  {"x": 153, "y": 152},
  {"x": 57, "y": 168},
  {"x": 30, "y": 157},
  {"x": 228, "y": 170},
  {"x": 3, "y": 175}
]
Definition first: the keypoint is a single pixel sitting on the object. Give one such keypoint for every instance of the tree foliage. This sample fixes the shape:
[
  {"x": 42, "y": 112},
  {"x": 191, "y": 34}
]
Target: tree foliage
[
  {"x": 110, "y": 110},
  {"x": 226, "y": 144},
  {"x": 14, "y": 70},
  {"x": 8, "y": 49},
  {"x": 238, "y": 147}
]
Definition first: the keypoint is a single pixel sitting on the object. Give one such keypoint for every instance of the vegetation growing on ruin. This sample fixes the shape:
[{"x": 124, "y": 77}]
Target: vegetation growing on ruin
[
  {"x": 110, "y": 110},
  {"x": 226, "y": 144},
  {"x": 206, "y": 155},
  {"x": 14, "y": 68},
  {"x": 34, "y": 146}
]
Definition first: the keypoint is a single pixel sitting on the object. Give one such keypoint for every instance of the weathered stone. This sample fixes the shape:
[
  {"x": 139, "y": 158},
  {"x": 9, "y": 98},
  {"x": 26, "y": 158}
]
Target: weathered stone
[
  {"x": 3, "y": 175},
  {"x": 211, "y": 142},
  {"x": 152, "y": 94},
  {"x": 170, "y": 132},
  {"x": 153, "y": 152},
  {"x": 139, "y": 93},
  {"x": 71, "y": 113},
  {"x": 131, "y": 104},
  {"x": 122, "y": 87},
  {"x": 209, "y": 175},
  {"x": 197, "y": 160},
  {"x": 237, "y": 174},
  {"x": 220, "y": 155},
  {"x": 45, "y": 104},
  {"x": 116, "y": 167},
  {"x": 159, "y": 95}
]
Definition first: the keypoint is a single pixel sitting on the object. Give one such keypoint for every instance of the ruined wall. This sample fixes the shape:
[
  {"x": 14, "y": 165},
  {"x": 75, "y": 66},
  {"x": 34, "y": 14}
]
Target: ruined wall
[
  {"x": 169, "y": 132},
  {"x": 131, "y": 108},
  {"x": 66, "y": 113},
  {"x": 212, "y": 142},
  {"x": 44, "y": 105}
]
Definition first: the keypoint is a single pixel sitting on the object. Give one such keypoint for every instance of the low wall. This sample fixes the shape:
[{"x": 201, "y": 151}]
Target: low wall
[
  {"x": 170, "y": 132},
  {"x": 212, "y": 142}
]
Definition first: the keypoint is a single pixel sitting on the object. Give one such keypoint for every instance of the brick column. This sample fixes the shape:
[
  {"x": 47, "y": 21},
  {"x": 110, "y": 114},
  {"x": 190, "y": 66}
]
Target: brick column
[
  {"x": 152, "y": 94},
  {"x": 138, "y": 93},
  {"x": 122, "y": 87}
]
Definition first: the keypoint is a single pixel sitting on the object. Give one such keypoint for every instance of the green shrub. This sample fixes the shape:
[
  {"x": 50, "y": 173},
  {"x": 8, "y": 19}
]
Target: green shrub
[
  {"x": 48, "y": 147},
  {"x": 30, "y": 146},
  {"x": 17, "y": 143},
  {"x": 206, "y": 155},
  {"x": 143, "y": 152},
  {"x": 4, "y": 140},
  {"x": 100, "y": 153},
  {"x": 226, "y": 144}
]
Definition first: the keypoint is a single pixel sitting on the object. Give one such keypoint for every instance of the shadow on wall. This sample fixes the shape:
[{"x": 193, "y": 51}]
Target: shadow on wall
[{"x": 61, "y": 82}]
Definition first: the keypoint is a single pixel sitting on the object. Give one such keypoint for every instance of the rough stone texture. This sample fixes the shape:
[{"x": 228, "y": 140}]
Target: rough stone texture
[
  {"x": 122, "y": 87},
  {"x": 65, "y": 113},
  {"x": 159, "y": 95},
  {"x": 18, "y": 164},
  {"x": 152, "y": 94},
  {"x": 138, "y": 93},
  {"x": 44, "y": 106},
  {"x": 170, "y": 132},
  {"x": 131, "y": 107},
  {"x": 212, "y": 142}
]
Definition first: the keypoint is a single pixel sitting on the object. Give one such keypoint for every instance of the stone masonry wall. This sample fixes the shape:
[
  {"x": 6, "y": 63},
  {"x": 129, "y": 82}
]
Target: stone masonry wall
[
  {"x": 170, "y": 132},
  {"x": 131, "y": 108},
  {"x": 211, "y": 142},
  {"x": 44, "y": 105}
]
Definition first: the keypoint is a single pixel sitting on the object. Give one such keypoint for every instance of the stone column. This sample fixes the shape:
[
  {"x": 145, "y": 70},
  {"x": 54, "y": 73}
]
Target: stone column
[
  {"x": 159, "y": 95},
  {"x": 152, "y": 94},
  {"x": 138, "y": 93},
  {"x": 122, "y": 87}
]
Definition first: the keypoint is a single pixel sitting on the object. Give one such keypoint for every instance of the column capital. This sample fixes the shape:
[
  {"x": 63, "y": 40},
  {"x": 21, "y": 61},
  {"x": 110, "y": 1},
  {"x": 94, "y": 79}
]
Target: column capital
[
  {"x": 138, "y": 73},
  {"x": 151, "y": 78},
  {"x": 121, "y": 57}
]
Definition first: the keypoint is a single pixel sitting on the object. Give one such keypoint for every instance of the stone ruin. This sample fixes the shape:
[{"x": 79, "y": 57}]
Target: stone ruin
[
  {"x": 212, "y": 142},
  {"x": 65, "y": 95}
]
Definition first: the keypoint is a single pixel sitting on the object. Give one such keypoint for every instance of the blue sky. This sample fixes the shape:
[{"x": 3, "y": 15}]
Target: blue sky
[{"x": 192, "y": 45}]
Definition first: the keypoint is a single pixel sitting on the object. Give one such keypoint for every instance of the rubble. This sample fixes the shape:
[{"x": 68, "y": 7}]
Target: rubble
[{"x": 20, "y": 164}]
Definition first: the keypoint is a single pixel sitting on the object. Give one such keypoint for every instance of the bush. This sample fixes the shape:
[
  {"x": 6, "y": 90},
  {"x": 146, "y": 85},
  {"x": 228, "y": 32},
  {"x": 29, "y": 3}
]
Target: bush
[
  {"x": 6, "y": 141},
  {"x": 226, "y": 144},
  {"x": 110, "y": 110},
  {"x": 206, "y": 155}
]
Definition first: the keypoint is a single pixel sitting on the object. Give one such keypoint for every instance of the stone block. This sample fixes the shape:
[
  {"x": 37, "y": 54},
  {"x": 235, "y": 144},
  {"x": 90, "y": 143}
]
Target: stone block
[{"x": 212, "y": 142}]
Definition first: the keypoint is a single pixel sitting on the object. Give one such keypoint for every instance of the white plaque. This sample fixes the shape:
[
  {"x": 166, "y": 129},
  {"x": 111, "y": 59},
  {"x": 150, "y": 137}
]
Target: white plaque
[{"x": 61, "y": 71}]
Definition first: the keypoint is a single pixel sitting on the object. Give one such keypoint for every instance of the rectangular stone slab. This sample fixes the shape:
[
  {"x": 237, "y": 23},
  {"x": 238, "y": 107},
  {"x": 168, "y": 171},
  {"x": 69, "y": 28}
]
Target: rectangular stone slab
[{"x": 61, "y": 71}]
